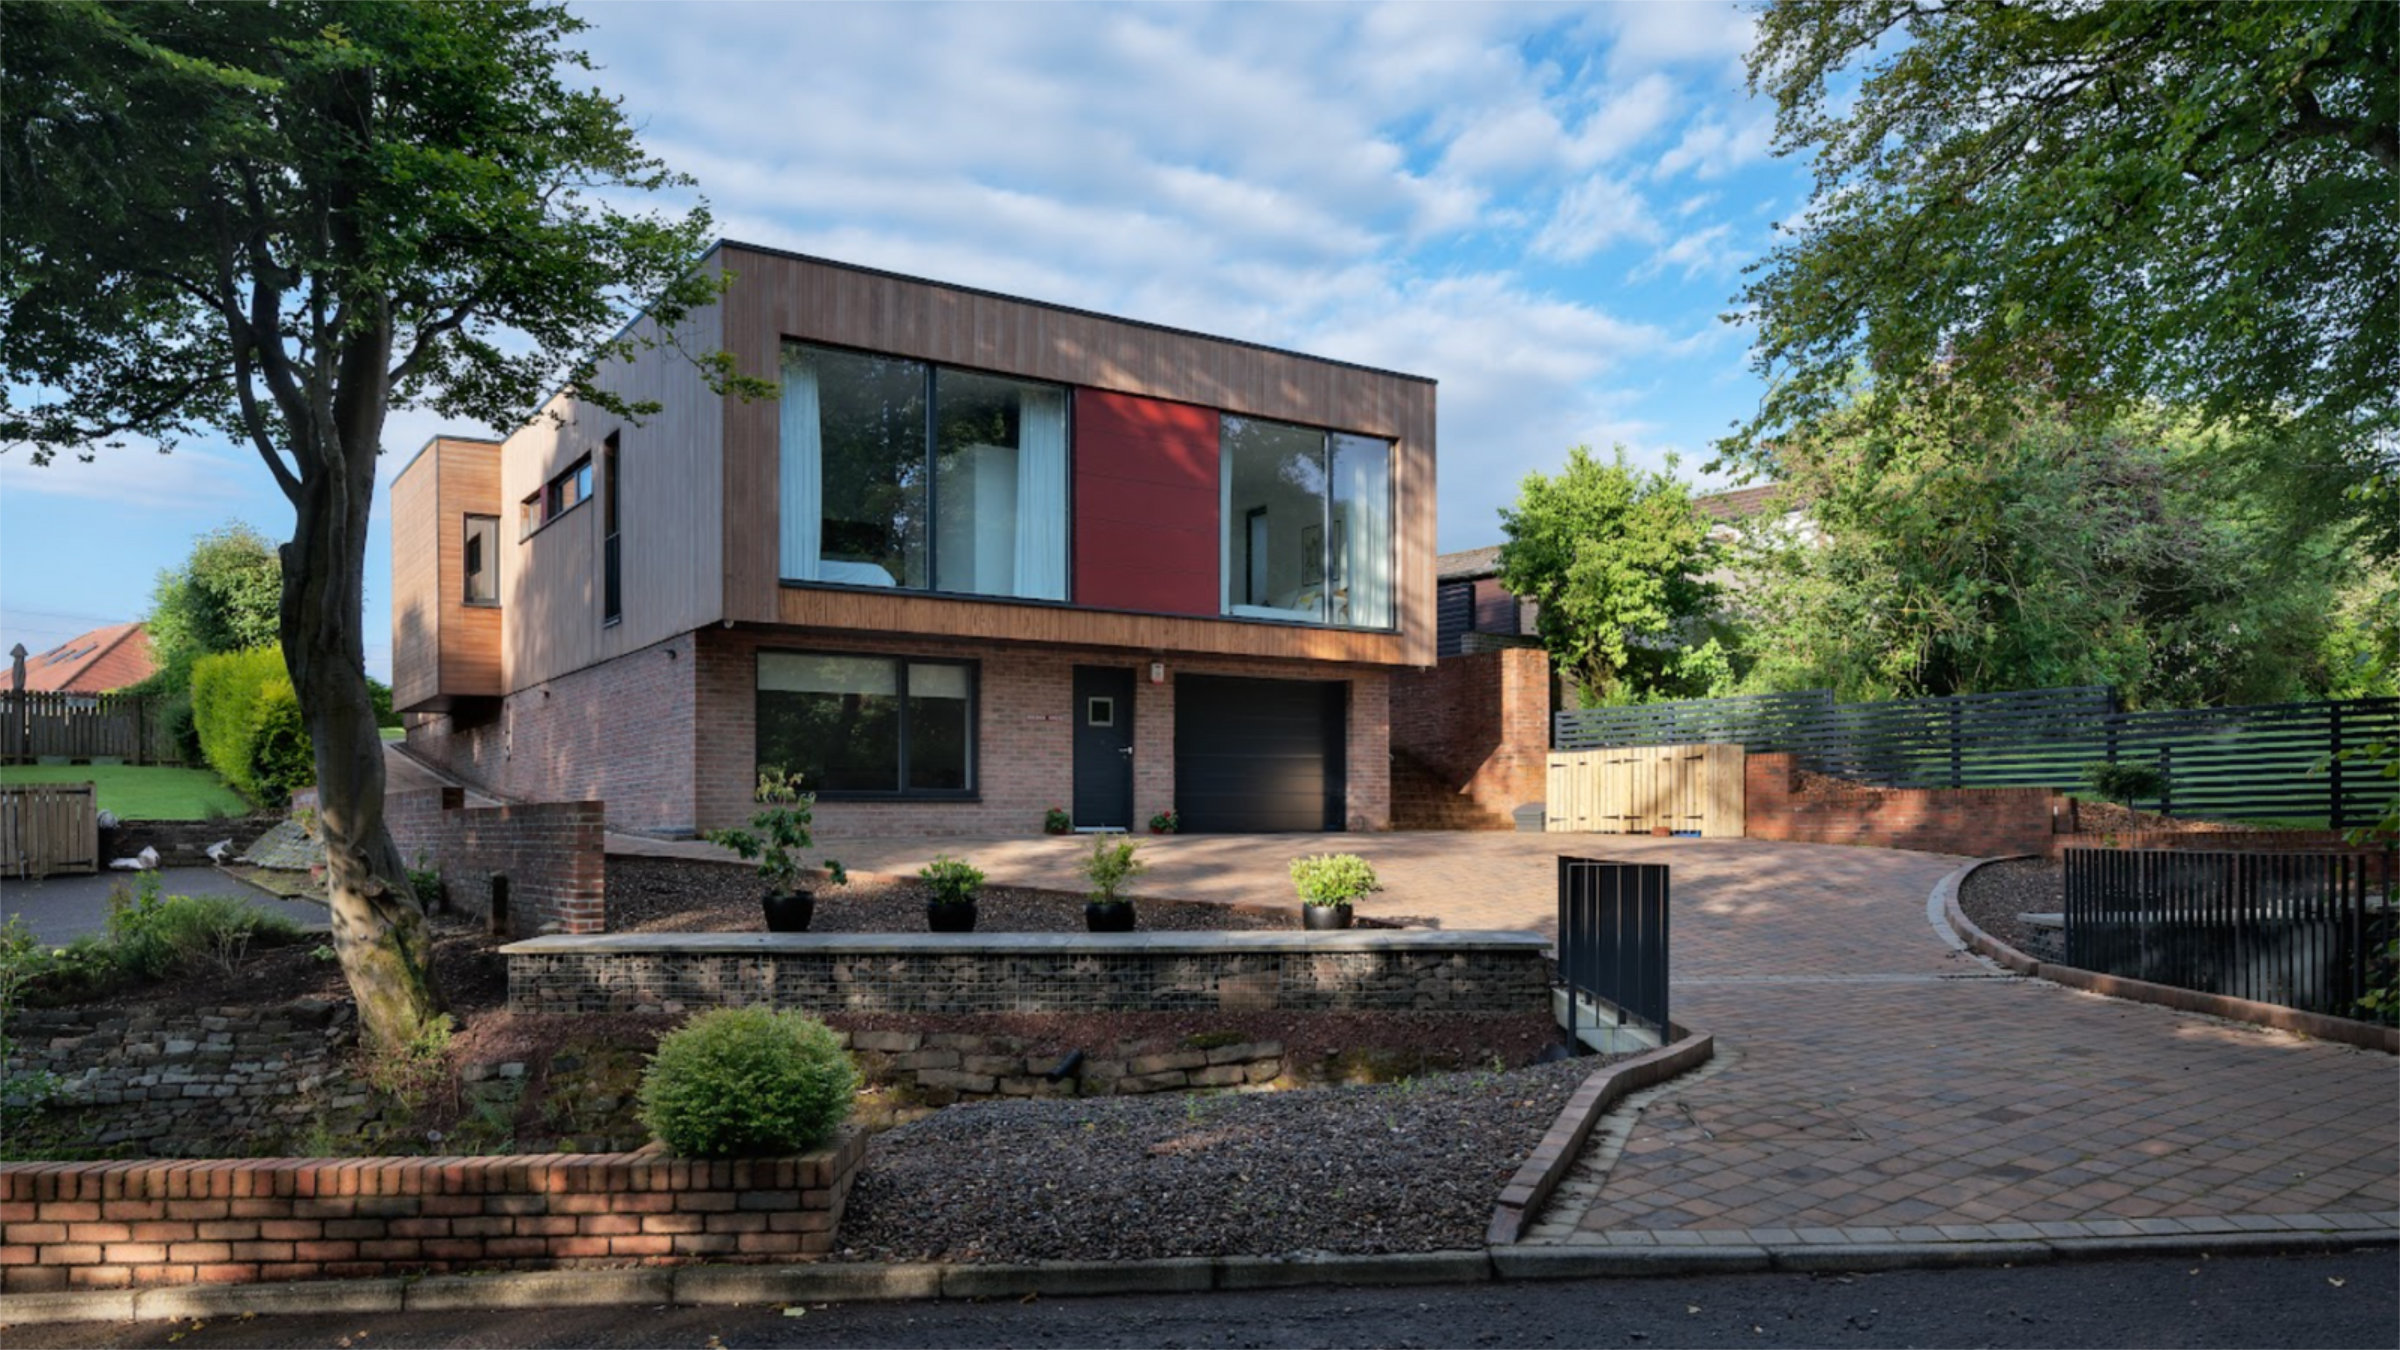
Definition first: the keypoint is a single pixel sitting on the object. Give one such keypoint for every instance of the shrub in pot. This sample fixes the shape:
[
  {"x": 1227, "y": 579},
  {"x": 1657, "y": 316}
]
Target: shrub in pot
[
  {"x": 735, "y": 1082},
  {"x": 1164, "y": 822},
  {"x": 955, "y": 884},
  {"x": 1327, "y": 883},
  {"x": 776, "y": 833},
  {"x": 1057, "y": 821},
  {"x": 1111, "y": 865}
]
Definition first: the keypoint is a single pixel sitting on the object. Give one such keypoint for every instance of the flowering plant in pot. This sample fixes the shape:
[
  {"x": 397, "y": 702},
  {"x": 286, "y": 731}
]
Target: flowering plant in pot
[
  {"x": 1057, "y": 821},
  {"x": 1111, "y": 865},
  {"x": 955, "y": 884},
  {"x": 1164, "y": 822},
  {"x": 778, "y": 832},
  {"x": 1327, "y": 883}
]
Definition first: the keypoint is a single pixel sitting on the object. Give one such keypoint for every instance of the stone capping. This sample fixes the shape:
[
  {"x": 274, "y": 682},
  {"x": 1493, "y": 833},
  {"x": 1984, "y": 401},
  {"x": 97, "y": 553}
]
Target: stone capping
[
  {"x": 116, "y": 1225},
  {"x": 1521, "y": 1200},
  {"x": 2365, "y": 1035},
  {"x": 1095, "y": 944}
]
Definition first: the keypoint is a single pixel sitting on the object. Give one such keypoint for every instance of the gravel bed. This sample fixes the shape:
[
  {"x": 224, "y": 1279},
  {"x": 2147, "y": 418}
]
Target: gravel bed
[
  {"x": 678, "y": 895},
  {"x": 1996, "y": 893},
  {"x": 1410, "y": 1166}
]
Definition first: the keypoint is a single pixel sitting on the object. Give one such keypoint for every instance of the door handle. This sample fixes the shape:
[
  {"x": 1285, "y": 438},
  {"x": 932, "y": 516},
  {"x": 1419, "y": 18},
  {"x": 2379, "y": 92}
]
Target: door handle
[{"x": 1126, "y": 751}]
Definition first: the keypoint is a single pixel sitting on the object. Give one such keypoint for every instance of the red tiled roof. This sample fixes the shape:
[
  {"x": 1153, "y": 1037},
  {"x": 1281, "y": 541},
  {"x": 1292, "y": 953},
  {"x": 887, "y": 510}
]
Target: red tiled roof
[
  {"x": 94, "y": 663},
  {"x": 1740, "y": 503}
]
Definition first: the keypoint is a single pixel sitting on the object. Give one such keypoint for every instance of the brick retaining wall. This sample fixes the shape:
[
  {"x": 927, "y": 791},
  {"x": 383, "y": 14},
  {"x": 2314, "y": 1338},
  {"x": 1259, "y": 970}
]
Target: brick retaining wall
[
  {"x": 1978, "y": 822},
  {"x": 1403, "y": 969},
  {"x": 112, "y": 1225},
  {"x": 554, "y": 855}
]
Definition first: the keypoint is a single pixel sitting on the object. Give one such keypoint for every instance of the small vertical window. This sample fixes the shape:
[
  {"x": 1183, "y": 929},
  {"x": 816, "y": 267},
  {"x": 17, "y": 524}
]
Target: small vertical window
[
  {"x": 483, "y": 560},
  {"x": 612, "y": 568}
]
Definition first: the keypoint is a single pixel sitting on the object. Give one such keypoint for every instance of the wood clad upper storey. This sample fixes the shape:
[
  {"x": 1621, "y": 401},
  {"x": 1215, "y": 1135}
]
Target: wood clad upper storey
[
  {"x": 443, "y": 648},
  {"x": 777, "y": 297},
  {"x": 671, "y": 494}
]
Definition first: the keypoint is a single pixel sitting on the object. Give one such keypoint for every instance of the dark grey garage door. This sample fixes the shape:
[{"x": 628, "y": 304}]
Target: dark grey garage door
[{"x": 1259, "y": 755}]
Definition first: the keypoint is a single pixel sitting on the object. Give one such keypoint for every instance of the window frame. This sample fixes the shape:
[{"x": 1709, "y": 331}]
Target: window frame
[
  {"x": 548, "y": 505},
  {"x": 1226, "y": 582},
  {"x": 491, "y": 561},
  {"x": 612, "y": 550},
  {"x": 972, "y": 792}
]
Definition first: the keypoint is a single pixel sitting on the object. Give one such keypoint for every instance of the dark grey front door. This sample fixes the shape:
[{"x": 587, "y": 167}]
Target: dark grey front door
[{"x": 1103, "y": 748}]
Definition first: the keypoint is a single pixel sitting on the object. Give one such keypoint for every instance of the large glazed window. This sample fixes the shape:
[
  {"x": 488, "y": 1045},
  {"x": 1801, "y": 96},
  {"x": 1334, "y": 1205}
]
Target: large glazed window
[
  {"x": 898, "y": 474},
  {"x": 1308, "y": 525},
  {"x": 868, "y": 725}
]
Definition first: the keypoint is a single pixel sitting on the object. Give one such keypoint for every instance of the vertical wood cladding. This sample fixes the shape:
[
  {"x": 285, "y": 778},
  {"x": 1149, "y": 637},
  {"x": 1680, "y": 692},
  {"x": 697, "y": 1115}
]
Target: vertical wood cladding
[
  {"x": 442, "y": 647},
  {"x": 1146, "y": 501}
]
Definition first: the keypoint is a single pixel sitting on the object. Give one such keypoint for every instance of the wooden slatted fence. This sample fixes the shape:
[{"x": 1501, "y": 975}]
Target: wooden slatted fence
[
  {"x": 85, "y": 727},
  {"x": 1684, "y": 789},
  {"x": 49, "y": 828}
]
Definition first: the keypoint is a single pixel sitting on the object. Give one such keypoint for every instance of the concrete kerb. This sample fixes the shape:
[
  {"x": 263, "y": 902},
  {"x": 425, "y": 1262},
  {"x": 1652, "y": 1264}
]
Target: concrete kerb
[
  {"x": 1943, "y": 906},
  {"x": 842, "y": 1283},
  {"x": 1538, "y": 1177}
]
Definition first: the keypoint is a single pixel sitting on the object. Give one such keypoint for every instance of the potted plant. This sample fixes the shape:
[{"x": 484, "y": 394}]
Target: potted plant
[
  {"x": 1327, "y": 883},
  {"x": 1057, "y": 821},
  {"x": 1164, "y": 822},
  {"x": 1111, "y": 865},
  {"x": 776, "y": 833},
  {"x": 951, "y": 909}
]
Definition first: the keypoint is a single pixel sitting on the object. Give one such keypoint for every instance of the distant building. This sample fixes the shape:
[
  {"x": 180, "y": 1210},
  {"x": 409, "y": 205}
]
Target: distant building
[{"x": 93, "y": 663}]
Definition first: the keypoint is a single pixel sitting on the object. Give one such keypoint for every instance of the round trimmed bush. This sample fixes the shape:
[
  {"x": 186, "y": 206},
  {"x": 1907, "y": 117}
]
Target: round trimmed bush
[{"x": 745, "y": 1081}]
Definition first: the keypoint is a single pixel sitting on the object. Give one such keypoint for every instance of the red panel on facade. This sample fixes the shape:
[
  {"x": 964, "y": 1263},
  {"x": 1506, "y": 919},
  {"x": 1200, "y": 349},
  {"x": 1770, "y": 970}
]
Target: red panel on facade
[{"x": 1145, "y": 504}]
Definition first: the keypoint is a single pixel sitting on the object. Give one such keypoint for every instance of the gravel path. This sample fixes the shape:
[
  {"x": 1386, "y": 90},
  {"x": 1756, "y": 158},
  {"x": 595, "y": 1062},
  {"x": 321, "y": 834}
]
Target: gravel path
[
  {"x": 1411, "y": 1166},
  {"x": 1997, "y": 893},
  {"x": 656, "y": 895}
]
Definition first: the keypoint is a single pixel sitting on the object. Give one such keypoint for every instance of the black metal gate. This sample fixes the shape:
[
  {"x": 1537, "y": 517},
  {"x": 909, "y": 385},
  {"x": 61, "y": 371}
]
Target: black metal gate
[{"x": 1612, "y": 939}]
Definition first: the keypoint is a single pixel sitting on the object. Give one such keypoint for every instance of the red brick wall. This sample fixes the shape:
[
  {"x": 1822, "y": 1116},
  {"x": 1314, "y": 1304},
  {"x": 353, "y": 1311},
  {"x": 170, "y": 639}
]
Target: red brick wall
[
  {"x": 1480, "y": 723},
  {"x": 119, "y": 1224},
  {"x": 1979, "y": 822},
  {"x": 1025, "y": 733},
  {"x": 554, "y": 855}
]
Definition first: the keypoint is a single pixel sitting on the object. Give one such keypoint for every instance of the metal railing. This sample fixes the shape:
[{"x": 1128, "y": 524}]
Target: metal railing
[
  {"x": 2302, "y": 930},
  {"x": 1612, "y": 940}
]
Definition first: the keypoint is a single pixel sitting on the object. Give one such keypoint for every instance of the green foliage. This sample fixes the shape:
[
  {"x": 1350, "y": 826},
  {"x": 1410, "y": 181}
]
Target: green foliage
[
  {"x": 250, "y": 726},
  {"x": 140, "y": 791},
  {"x": 1057, "y": 821},
  {"x": 2050, "y": 553},
  {"x": 408, "y": 1069},
  {"x": 2124, "y": 784},
  {"x": 425, "y": 882},
  {"x": 954, "y": 881},
  {"x": 1166, "y": 822},
  {"x": 22, "y": 961},
  {"x": 150, "y": 937},
  {"x": 226, "y": 596},
  {"x": 1616, "y": 559},
  {"x": 2120, "y": 203},
  {"x": 778, "y": 832},
  {"x": 1333, "y": 878},
  {"x": 379, "y": 698},
  {"x": 736, "y": 1082},
  {"x": 1111, "y": 865}
]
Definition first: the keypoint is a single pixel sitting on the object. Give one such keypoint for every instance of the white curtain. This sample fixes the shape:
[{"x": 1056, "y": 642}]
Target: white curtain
[
  {"x": 802, "y": 498},
  {"x": 1042, "y": 494},
  {"x": 1363, "y": 484}
]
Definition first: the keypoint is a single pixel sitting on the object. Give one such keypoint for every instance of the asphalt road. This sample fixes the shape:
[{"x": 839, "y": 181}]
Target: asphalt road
[
  {"x": 61, "y": 909},
  {"x": 2345, "y": 1299}
]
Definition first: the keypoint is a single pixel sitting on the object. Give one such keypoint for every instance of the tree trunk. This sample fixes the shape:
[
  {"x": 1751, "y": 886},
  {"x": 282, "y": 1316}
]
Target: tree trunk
[{"x": 379, "y": 929}]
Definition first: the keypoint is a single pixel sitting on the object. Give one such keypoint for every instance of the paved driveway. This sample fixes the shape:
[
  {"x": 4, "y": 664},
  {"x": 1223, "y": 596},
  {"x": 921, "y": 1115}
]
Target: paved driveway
[{"x": 1873, "y": 1082}]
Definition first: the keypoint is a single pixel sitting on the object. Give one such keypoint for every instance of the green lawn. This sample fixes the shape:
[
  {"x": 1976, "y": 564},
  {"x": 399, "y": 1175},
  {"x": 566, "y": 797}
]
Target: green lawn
[{"x": 140, "y": 793}]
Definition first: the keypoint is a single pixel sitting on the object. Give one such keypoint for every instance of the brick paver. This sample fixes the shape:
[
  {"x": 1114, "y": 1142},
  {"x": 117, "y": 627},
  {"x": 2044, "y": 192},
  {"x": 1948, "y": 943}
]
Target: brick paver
[{"x": 1877, "y": 1081}]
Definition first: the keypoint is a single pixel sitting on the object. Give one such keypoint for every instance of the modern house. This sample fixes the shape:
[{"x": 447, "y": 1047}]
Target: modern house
[
  {"x": 98, "y": 662},
  {"x": 983, "y": 556}
]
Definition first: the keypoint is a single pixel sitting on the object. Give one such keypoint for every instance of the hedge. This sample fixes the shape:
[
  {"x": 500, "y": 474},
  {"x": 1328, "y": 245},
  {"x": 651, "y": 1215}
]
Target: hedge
[{"x": 248, "y": 719}]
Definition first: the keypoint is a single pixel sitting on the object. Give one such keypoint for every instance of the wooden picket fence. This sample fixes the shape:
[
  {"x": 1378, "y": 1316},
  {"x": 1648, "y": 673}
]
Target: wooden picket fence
[
  {"x": 49, "y": 828},
  {"x": 1684, "y": 789},
  {"x": 85, "y": 727}
]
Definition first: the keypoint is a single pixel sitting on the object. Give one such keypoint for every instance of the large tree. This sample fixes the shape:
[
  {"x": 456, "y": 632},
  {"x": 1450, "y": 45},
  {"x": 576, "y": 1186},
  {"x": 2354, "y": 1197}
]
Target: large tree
[
  {"x": 2128, "y": 203},
  {"x": 276, "y": 223},
  {"x": 226, "y": 596}
]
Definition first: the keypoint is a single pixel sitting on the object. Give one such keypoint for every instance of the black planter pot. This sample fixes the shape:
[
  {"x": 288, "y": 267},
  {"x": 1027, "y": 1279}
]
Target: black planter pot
[
  {"x": 944, "y": 917},
  {"x": 1108, "y": 916},
  {"x": 1317, "y": 918},
  {"x": 789, "y": 911}
]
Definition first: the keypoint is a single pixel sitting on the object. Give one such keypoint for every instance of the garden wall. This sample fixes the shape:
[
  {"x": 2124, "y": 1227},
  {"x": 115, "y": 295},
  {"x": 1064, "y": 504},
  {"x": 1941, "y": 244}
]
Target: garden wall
[
  {"x": 1978, "y": 822},
  {"x": 1397, "y": 969},
  {"x": 222, "y": 1080},
  {"x": 554, "y": 855},
  {"x": 111, "y": 1225},
  {"x": 1479, "y": 726},
  {"x": 948, "y": 1067}
]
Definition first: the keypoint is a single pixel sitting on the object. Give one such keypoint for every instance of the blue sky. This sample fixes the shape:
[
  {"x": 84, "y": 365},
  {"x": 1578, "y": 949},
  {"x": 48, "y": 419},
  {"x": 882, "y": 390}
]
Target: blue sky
[{"x": 1544, "y": 207}]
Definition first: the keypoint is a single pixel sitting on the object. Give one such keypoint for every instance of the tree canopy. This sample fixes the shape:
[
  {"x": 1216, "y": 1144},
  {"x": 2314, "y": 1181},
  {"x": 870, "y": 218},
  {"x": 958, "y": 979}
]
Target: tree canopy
[
  {"x": 1616, "y": 559},
  {"x": 2124, "y": 204},
  {"x": 226, "y": 596}
]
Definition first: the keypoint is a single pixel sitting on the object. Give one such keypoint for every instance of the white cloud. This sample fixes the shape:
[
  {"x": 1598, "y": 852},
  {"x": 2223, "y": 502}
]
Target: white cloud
[
  {"x": 1697, "y": 253},
  {"x": 1595, "y": 215},
  {"x": 136, "y": 477},
  {"x": 1713, "y": 147}
]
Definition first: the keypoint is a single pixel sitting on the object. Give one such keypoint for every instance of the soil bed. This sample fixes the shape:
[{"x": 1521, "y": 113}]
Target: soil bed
[
  {"x": 1411, "y": 1166},
  {"x": 681, "y": 895},
  {"x": 1996, "y": 893}
]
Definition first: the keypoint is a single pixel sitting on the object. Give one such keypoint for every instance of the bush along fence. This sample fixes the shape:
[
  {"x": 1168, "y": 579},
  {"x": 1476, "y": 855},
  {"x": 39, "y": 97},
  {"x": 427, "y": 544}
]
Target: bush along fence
[
  {"x": 2266, "y": 761},
  {"x": 84, "y": 727},
  {"x": 2301, "y": 930}
]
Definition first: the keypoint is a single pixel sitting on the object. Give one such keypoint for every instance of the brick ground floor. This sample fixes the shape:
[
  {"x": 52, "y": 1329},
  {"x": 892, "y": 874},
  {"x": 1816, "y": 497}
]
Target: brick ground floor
[{"x": 667, "y": 736}]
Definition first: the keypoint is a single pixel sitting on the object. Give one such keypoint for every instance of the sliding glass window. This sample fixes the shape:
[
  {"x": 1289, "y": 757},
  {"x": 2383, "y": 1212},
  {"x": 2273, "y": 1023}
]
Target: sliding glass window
[
  {"x": 896, "y": 473},
  {"x": 868, "y": 725},
  {"x": 1308, "y": 524}
]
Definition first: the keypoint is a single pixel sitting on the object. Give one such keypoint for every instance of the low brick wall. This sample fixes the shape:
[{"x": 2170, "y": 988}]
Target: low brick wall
[
  {"x": 945, "y": 1067},
  {"x": 1398, "y": 969},
  {"x": 219, "y": 1081},
  {"x": 112, "y": 1225},
  {"x": 554, "y": 855},
  {"x": 1978, "y": 822}
]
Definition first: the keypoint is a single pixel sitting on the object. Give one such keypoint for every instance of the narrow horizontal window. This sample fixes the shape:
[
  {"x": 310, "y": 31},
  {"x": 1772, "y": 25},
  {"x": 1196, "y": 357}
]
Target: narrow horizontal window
[{"x": 867, "y": 726}]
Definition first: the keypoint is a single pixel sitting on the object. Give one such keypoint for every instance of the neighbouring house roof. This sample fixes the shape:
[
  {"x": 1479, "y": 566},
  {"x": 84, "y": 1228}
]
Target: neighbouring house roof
[
  {"x": 92, "y": 663},
  {"x": 1739, "y": 504},
  {"x": 1468, "y": 565}
]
